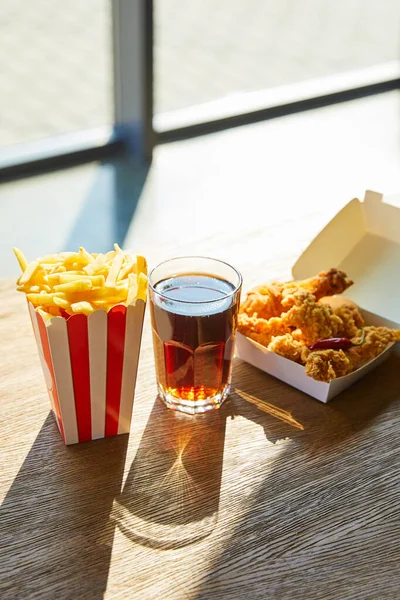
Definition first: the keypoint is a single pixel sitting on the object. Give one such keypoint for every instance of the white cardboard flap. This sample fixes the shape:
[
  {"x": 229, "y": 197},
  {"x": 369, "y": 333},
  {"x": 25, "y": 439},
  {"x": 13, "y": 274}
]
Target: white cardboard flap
[
  {"x": 381, "y": 218},
  {"x": 363, "y": 240},
  {"x": 332, "y": 245}
]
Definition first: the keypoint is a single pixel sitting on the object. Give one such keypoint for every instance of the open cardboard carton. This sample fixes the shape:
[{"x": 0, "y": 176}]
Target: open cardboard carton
[{"x": 363, "y": 240}]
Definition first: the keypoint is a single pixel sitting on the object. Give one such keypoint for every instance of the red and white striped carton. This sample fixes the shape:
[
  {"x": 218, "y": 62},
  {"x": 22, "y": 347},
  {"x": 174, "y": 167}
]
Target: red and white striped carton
[{"x": 90, "y": 366}]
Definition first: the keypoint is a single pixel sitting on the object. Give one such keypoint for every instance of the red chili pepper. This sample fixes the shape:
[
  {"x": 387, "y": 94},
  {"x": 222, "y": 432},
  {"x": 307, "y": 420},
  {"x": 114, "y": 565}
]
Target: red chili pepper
[{"x": 336, "y": 343}]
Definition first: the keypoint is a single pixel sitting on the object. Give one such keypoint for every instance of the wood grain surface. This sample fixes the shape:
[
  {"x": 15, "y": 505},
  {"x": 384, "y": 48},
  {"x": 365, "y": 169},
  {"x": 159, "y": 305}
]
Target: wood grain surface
[{"x": 274, "y": 496}]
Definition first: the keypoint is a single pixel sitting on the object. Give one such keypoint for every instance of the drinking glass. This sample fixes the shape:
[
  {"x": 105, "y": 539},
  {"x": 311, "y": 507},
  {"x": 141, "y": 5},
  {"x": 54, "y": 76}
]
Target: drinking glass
[{"x": 194, "y": 303}]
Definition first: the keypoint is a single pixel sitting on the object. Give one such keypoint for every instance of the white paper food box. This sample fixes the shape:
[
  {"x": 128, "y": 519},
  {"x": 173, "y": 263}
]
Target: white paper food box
[{"x": 363, "y": 240}]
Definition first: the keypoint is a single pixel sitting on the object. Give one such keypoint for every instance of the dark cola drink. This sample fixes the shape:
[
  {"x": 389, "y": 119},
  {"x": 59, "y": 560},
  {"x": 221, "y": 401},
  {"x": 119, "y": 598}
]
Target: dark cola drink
[{"x": 194, "y": 318}]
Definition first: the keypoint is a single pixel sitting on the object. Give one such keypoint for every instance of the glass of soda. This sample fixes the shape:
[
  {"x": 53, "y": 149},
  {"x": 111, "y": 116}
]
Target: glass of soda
[{"x": 194, "y": 302}]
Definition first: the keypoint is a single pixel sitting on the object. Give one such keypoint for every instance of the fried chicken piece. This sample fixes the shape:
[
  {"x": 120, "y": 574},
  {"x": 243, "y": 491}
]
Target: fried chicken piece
[
  {"x": 325, "y": 365},
  {"x": 273, "y": 299},
  {"x": 348, "y": 311},
  {"x": 261, "y": 330},
  {"x": 298, "y": 335},
  {"x": 262, "y": 301},
  {"x": 376, "y": 341},
  {"x": 287, "y": 318},
  {"x": 332, "y": 282},
  {"x": 288, "y": 347},
  {"x": 315, "y": 320},
  {"x": 351, "y": 318}
]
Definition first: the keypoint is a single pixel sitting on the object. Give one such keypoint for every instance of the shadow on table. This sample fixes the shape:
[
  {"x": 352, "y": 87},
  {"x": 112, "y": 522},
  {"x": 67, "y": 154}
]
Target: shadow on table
[
  {"x": 55, "y": 518},
  {"x": 285, "y": 412},
  {"x": 110, "y": 204},
  {"x": 317, "y": 493},
  {"x": 171, "y": 495}
]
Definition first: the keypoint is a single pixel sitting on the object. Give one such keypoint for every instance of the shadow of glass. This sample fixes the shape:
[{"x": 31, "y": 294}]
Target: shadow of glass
[
  {"x": 333, "y": 481},
  {"x": 171, "y": 495},
  {"x": 283, "y": 411},
  {"x": 55, "y": 517},
  {"x": 110, "y": 204}
]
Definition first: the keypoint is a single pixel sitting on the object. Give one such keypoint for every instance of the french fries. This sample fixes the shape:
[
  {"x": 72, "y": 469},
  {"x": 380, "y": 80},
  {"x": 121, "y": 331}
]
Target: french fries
[{"x": 79, "y": 282}]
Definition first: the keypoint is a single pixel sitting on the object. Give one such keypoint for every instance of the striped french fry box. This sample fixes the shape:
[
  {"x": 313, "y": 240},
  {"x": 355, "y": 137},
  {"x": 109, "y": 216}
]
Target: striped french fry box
[{"x": 90, "y": 366}]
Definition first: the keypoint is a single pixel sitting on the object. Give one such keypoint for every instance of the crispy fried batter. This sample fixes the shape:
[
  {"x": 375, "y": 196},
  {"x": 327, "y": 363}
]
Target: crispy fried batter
[
  {"x": 271, "y": 300},
  {"x": 316, "y": 321},
  {"x": 348, "y": 311},
  {"x": 375, "y": 342},
  {"x": 332, "y": 282},
  {"x": 288, "y": 347},
  {"x": 325, "y": 284},
  {"x": 287, "y": 318},
  {"x": 262, "y": 301},
  {"x": 261, "y": 330},
  {"x": 351, "y": 318},
  {"x": 325, "y": 365}
]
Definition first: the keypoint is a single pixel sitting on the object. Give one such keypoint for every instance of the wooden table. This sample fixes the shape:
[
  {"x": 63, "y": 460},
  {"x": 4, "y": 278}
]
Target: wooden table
[{"x": 275, "y": 496}]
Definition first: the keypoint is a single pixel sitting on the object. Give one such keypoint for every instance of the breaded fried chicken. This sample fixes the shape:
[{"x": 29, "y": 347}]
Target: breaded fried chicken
[
  {"x": 271, "y": 300},
  {"x": 263, "y": 301},
  {"x": 351, "y": 318},
  {"x": 286, "y": 346},
  {"x": 376, "y": 341},
  {"x": 348, "y": 311},
  {"x": 315, "y": 320},
  {"x": 261, "y": 330},
  {"x": 288, "y": 318},
  {"x": 325, "y": 365}
]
